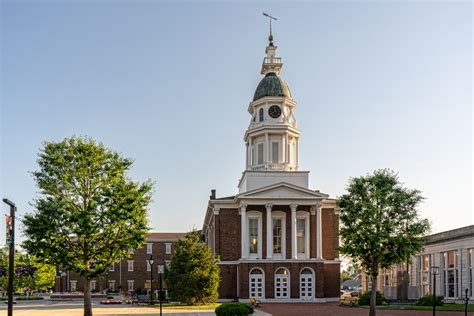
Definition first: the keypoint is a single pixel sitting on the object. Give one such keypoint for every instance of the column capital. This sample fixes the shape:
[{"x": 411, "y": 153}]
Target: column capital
[
  {"x": 293, "y": 207},
  {"x": 312, "y": 210},
  {"x": 242, "y": 208},
  {"x": 269, "y": 206},
  {"x": 318, "y": 204},
  {"x": 216, "y": 210}
]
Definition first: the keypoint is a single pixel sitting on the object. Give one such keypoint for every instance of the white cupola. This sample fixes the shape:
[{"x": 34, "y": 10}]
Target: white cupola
[{"x": 272, "y": 136}]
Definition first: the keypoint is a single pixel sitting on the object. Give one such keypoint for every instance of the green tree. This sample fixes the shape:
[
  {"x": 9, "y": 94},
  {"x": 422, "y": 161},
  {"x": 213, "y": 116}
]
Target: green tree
[
  {"x": 345, "y": 276},
  {"x": 193, "y": 274},
  {"x": 380, "y": 225},
  {"x": 88, "y": 213},
  {"x": 29, "y": 272}
]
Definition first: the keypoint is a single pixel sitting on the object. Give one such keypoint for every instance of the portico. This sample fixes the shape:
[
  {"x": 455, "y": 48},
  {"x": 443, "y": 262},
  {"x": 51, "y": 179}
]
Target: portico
[{"x": 295, "y": 211}]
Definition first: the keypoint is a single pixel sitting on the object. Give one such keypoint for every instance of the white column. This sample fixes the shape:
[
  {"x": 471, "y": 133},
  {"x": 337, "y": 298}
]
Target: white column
[
  {"x": 319, "y": 238},
  {"x": 282, "y": 150},
  {"x": 297, "y": 154},
  {"x": 243, "y": 231},
  {"x": 267, "y": 150},
  {"x": 269, "y": 230},
  {"x": 294, "y": 252},
  {"x": 247, "y": 156}
]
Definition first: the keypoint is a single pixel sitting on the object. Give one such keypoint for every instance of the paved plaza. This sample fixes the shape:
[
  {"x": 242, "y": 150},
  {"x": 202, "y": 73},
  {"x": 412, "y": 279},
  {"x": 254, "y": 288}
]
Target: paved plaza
[
  {"x": 332, "y": 309},
  {"x": 48, "y": 308}
]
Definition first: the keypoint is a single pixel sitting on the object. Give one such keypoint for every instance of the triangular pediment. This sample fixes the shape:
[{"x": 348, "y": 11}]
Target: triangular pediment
[{"x": 282, "y": 191}]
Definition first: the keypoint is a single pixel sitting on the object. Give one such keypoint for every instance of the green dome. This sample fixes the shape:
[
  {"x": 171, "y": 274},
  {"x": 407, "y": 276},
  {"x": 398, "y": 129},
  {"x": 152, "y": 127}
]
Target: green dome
[{"x": 272, "y": 86}]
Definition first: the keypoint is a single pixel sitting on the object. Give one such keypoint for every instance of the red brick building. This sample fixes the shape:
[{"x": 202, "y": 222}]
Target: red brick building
[
  {"x": 277, "y": 238},
  {"x": 130, "y": 274}
]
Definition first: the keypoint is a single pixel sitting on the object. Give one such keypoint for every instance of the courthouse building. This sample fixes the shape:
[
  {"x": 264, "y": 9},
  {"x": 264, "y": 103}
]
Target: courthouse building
[
  {"x": 452, "y": 252},
  {"x": 132, "y": 273},
  {"x": 277, "y": 238}
]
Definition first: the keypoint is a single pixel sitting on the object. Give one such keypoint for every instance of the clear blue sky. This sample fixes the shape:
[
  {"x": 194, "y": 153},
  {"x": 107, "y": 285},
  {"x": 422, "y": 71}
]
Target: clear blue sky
[{"x": 168, "y": 83}]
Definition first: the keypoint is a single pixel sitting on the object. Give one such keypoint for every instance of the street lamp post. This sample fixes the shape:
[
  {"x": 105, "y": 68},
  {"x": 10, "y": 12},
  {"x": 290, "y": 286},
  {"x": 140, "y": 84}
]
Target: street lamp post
[
  {"x": 434, "y": 272},
  {"x": 150, "y": 262},
  {"x": 161, "y": 270},
  {"x": 466, "y": 302},
  {"x": 10, "y": 229}
]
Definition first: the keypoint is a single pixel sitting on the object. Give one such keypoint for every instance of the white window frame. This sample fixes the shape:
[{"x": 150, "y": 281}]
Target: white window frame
[
  {"x": 148, "y": 266},
  {"x": 167, "y": 263},
  {"x": 93, "y": 284},
  {"x": 313, "y": 283},
  {"x": 130, "y": 265},
  {"x": 425, "y": 282},
  {"x": 111, "y": 285},
  {"x": 304, "y": 215},
  {"x": 130, "y": 250},
  {"x": 254, "y": 215},
  {"x": 168, "y": 248},
  {"x": 277, "y": 160},
  {"x": 282, "y": 216},
  {"x": 131, "y": 285},
  {"x": 288, "y": 290},
  {"x": 258, "y": 154},
  {"x": 112, "y": 267},
  {"x": 149, "y": 248},
  {"x": 73, "y": 285},
  {"x": 455, "y": 269},
  {"x": 262, "y": 274}
]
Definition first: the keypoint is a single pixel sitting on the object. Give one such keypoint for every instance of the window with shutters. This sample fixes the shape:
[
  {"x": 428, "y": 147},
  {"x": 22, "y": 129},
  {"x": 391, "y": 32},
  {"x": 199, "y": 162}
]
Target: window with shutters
[
  {"x": 260, "y": 154},
  {"x": 275, "y": 148}
]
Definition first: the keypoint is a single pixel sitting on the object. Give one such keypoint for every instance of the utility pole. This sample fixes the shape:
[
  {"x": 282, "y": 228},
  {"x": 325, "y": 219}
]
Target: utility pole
[{"x": 10, "y": 229}]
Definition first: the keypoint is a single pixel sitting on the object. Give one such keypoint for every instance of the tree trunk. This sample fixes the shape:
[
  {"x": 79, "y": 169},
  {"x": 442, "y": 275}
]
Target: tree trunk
[
  {"x": 87, "y": 298},
  {"x": 373, "y": 295}
]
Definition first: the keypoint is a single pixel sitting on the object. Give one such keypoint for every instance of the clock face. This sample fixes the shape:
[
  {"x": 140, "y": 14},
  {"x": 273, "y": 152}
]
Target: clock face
[{"x": 274, "y": 111}]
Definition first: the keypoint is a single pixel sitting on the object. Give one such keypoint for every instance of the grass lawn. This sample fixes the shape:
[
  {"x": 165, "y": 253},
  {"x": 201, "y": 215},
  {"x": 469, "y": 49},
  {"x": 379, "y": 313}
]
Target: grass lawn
[
  {"x": 444, "y": 308},
  {"x": 179, "y": 306}
]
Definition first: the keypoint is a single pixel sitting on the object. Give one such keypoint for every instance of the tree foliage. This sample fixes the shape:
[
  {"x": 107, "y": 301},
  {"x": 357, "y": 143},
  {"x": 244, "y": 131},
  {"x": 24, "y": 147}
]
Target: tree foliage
[
  {"x": 29, "y": 273},
  {"x": 88, "y": 213},
  {"x": 193, "y": 274},
  {"x": 380, "y": 225}
]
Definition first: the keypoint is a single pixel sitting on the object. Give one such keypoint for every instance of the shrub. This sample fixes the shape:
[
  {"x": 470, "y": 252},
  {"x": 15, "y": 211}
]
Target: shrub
[
  {"x": 365, "y": 298},
  {"x": 28, "y": 298},
  {"x": 427, "y": 300},
  {"x": 234, "y": 309}
]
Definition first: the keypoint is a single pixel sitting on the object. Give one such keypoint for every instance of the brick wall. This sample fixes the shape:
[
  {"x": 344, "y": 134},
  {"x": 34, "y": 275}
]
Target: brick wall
[
  {"x": 332, "y": 280},
  {"x": 139, "y": 274},
  {"x": 228, "y": 284},
  {"x": 228, "y": 236},
  {"x": 330, "y": 233}
]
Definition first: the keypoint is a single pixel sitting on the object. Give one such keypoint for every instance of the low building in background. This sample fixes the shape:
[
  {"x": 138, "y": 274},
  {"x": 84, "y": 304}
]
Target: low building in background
[
  {"x": 131, "y": 274},
  {"x": 451, "y": 251}
]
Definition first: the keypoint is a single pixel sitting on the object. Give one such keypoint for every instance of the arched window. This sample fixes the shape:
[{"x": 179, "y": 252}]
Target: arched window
[
  {"x": 282, "y": 283},
  {"x": 260, "y": 115},
  {"x": 307, "y": 284},
  {"x": 256, "y": 283}
]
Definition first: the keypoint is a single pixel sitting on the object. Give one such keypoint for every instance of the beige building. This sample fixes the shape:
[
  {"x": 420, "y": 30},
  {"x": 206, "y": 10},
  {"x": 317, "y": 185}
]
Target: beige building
[{"x": 451, "y": 251}]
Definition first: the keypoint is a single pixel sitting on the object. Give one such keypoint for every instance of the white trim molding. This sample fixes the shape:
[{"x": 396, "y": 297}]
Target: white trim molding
[
  {"x": 303, "y": 215},
  {"x": 258, "y": 216},
  {"x": 281, "y": 216}
]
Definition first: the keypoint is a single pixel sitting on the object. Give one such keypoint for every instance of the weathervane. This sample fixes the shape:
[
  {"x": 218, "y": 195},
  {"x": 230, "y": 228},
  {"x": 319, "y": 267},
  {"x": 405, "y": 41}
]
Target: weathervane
[{"x": 270, "y": 17}]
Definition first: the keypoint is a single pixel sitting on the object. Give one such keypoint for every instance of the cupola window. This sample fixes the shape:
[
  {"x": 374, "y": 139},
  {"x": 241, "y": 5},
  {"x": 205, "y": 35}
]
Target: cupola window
[{"x": 260, "y": 115}]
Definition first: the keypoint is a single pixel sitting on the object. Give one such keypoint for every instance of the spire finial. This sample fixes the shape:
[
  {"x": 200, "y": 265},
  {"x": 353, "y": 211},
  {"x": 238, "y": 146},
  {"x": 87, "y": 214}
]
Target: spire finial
[{"x": 270, "y": 17}]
